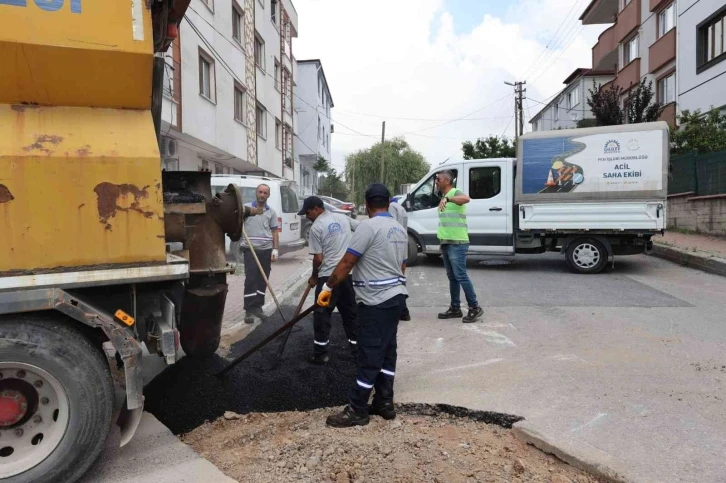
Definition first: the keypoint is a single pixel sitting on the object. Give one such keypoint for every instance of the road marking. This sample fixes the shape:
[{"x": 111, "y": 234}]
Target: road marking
[
  {"x": 491, "y": 336},
  {"x": 593, "y": 421},
  {"x": 469, "y": 366},
  {"x": 568, "y": 357}
]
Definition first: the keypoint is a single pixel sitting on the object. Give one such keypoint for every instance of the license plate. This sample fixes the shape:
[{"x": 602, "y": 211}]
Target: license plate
[{"x": 294, "y": 226}]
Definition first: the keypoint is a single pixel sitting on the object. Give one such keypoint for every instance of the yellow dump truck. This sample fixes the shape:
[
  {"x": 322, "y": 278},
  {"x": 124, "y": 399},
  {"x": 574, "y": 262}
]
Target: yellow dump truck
[{"x": 88, "y": 220}]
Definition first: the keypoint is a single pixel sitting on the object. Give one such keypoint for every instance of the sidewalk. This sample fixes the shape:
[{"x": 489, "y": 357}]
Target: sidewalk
[
  {"x": 288, "y": 273},
  {"x": 702, "y": 252}
]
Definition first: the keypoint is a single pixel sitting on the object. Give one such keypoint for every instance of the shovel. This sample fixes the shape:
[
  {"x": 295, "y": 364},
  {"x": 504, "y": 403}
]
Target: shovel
[{"x": 287, "y": 336}]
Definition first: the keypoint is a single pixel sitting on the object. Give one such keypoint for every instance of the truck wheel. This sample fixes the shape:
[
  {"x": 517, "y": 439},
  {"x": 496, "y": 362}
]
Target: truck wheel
[
  {"x": 412, "y": 258},
  {"x": 56, "y": 400},
  {"x": 586, "y": 255}
]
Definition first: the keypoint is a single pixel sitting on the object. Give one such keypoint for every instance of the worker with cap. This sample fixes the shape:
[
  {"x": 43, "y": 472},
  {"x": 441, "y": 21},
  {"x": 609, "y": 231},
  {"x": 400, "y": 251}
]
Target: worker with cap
[
  {"x": 400, "y": 214},
  {"x": 263, "y": 233},
  {"x": 377, "y": 257},
  {"x": 330, "y": 235}
]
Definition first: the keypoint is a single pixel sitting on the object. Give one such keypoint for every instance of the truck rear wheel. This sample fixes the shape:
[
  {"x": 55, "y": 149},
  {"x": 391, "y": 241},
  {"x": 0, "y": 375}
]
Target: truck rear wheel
[
  {"x": 586, "y": 255},
  {"x": 56, "y": 400}
]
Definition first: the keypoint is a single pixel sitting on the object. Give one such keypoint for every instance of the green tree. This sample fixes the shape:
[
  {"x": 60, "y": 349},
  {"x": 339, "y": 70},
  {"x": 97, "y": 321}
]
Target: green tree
[
  {"x": 402, "y": 165},
  {"x": 491, "y": 147},
  {"x": 582, "y": 123},
  {"x": 699, "y": 133},
  {"x": 640, "y": 105},
  {"x": 322, "y": 165},
  {"x": 605, "y": 104},
  {"x": 332, "y": 185}
]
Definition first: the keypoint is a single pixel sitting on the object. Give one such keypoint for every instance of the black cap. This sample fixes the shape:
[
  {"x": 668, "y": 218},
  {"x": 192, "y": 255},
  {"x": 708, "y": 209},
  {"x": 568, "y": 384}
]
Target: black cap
[
  {"x": 378, "y": 190},
  {"x": 310, "y": 203}
]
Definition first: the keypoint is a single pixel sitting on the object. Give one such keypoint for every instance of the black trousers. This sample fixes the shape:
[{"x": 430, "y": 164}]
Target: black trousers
[
  {"x": 377, "y": 346},
  {"x": 343, "y": 297},
  {"x": 404, "y": 307},
  {"x": 255, "y": 286}
]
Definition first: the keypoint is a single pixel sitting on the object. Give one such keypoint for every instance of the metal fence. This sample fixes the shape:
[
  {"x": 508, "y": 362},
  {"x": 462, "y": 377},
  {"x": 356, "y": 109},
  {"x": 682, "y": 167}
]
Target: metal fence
[{"x": 703, "y": 175}]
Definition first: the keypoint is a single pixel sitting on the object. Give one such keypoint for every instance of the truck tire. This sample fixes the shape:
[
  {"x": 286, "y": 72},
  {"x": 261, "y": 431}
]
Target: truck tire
[
  {"x": 586, "y": 255},
  {"x": 56, "y": 399},
  {"x": 412, "y": 258}
]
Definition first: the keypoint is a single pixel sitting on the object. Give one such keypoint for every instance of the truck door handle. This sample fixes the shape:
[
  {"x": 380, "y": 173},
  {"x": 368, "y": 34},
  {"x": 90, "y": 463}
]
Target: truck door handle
[{"x": 495, "y": 209}]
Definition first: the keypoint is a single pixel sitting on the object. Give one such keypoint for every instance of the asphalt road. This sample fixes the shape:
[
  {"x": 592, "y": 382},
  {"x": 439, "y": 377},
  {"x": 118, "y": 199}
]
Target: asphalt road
[{"x": 625, "y": 368}]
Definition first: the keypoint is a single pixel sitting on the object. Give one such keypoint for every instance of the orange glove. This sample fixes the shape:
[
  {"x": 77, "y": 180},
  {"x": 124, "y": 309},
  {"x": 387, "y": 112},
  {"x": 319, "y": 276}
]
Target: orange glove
[{"x": 325, "y": 295}]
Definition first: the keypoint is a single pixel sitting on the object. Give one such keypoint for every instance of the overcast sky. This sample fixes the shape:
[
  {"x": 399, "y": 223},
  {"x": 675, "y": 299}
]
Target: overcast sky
[{"x": 437, "y": 60}]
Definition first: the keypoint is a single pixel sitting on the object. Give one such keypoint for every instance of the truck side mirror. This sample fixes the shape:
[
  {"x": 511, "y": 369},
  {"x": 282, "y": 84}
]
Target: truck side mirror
[{"x": 407, "y": 203}]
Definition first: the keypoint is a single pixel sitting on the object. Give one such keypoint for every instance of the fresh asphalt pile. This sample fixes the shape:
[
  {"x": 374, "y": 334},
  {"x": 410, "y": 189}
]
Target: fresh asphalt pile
[{"x": 187, "y": 394}]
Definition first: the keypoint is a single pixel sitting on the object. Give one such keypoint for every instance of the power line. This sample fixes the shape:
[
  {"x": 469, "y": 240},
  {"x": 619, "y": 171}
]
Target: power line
[
  {"x": 457, "y": 119},
  {"x": 552, "y": 39}
]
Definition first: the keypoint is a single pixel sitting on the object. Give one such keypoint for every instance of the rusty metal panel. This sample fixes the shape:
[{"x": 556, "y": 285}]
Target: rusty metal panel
[{"x": 80, "y": 187}]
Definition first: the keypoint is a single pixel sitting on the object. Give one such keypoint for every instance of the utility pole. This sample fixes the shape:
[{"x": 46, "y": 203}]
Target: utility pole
[
  {"x": 383, "y": 140},
  {"x": 518, "y": 107}
]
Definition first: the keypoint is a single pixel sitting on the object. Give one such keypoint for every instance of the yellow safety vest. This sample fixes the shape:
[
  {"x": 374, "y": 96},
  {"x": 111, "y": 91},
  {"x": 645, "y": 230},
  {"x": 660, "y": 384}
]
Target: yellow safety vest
[{"x": 452, "y": 222}]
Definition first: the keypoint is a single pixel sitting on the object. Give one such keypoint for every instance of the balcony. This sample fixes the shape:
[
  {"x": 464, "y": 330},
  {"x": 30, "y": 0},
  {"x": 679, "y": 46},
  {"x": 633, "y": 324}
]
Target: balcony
[
  {"x": 629, "y": 76},
  {"x": 656, "y": 4},
  {"x": 605, "y": 51},
  {"x": 600, "y": 12},
  {"x": 628, "y": 20},
  {"x": 662, "y": 51}
]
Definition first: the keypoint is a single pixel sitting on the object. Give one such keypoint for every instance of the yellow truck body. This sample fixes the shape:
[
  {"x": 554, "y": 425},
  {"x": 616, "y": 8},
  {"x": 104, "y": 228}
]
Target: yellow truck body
[{"x": 80, "y": 176}]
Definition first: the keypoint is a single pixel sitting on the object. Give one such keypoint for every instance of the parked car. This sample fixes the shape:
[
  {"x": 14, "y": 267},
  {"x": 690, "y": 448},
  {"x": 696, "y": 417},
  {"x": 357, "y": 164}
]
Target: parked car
[
  {"x": 283, "y": 199},
  {"x": 362, "y": 209},
  {"x": 343, "y": 205},
  {"x": 306, "y": 224}
]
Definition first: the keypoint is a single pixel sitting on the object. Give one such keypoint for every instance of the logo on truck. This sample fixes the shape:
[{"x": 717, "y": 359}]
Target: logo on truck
[
  {"x": 47, "y": 5},
  {"x": 612, "y": 147}
]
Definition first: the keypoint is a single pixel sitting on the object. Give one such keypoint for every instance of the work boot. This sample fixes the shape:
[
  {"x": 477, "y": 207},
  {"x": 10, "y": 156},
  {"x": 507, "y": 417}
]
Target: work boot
[
  {"x": 249, "y": 317},
  {"x": 474, "y": 314},
  {"x": 319, "y": 359},
  {"x": 405, "y": 316},
  {"x": 347, "y": 419},
  {"x": 452, "y": 313},
  {"x": 386, "y": 411}
]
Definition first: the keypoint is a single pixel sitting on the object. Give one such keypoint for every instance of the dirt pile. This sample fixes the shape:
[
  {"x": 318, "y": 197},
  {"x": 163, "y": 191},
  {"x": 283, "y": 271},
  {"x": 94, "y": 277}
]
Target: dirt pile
[{"x": 298, "y": 447}]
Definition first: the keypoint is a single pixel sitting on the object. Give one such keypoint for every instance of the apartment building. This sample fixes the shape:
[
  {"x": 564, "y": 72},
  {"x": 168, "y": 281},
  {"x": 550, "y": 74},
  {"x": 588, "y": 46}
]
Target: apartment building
[
  {"x": 701, "y": 54},
  {"x": 640, "y": 44},
  {"x": 569, "y": 106},
  {"x": 227, "y": 99},
  {"x": 312, "y": 104}
]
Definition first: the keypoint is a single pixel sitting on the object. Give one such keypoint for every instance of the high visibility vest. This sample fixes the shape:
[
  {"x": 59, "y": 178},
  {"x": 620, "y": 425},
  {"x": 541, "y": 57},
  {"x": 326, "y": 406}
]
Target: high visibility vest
[{"x": 452, "y": 222}]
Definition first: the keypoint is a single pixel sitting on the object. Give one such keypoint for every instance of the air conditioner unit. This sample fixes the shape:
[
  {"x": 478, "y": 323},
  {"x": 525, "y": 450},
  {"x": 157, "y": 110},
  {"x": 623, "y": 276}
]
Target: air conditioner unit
[{"x": 167, "y": 147}]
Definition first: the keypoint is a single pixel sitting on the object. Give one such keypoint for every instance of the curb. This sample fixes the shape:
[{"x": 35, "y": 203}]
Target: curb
[
  {"x": 699, "y": 260},
  {"x": 576, "y": 453},
  {"x": 288, "y": 288}
]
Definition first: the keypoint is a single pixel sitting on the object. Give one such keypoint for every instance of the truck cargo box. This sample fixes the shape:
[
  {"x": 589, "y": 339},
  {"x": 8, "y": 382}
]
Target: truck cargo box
[{"x": 612, "y": 163}]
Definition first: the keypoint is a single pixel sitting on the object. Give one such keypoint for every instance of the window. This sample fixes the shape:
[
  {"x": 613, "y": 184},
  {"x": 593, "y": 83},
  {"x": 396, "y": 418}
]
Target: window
[
  {"x": 289, "y": 200},
  {"x": 277, "y": 75},
  {"x": 218, "y": 168},
  {"x": 259, "y": 52},
  {"x": 666, "y": 20},
  {"x": 485, "y": 182},
  {"x": 536, "y": 125},
  {"x": 207, "y": 86},
  {"x": 168, "y": 79},
  {"x": 667, "y": 89},
  {"x": 205, "y": 165},
  {"x": 261, "y": 121},
  {"x": 573, "y": 98},
  {"x": 319, "y": 126},
  {"x": 557, "y": 111},
  {"x": 630, "y": 51},
  {"x": 237, "y": 24},
  {"x": 239, "y": 104},
  {"x": 328, "y": 142},
  {"x": 273, "y": 11},
  {"x": 278, "y": 134},
  {"x": 712, "y": 40},
  {"x": 426, "y": 196}
]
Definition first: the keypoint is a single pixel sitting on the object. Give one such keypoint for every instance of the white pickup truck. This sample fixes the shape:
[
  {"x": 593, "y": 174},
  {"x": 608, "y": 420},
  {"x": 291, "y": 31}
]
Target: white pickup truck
[{"x": 590, "y": 194}]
